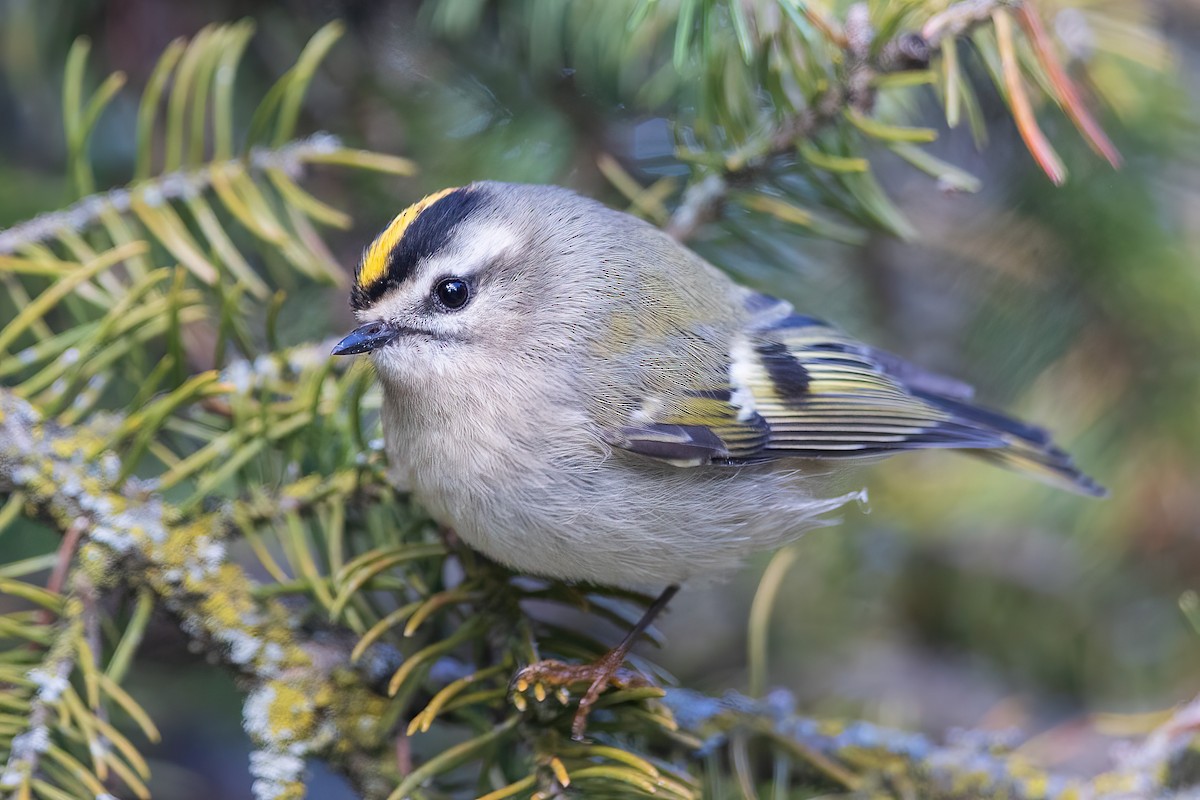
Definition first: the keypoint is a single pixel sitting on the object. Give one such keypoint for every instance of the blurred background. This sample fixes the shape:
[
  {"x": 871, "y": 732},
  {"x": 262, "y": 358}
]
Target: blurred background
[{"x": 958, "y": 595}]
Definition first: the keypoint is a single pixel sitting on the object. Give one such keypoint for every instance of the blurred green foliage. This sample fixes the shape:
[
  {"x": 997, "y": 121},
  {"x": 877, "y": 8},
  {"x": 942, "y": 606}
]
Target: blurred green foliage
[{"x": 962, "y": 596}]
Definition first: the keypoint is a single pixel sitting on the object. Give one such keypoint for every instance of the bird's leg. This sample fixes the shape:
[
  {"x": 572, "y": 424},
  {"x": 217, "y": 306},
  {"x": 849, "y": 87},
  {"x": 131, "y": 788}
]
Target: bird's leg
[{"x": 599, "y": 675}]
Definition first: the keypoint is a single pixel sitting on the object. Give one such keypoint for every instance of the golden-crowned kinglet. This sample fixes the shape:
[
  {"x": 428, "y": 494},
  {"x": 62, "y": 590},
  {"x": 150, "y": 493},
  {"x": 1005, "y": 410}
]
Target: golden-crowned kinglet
[{"x": 579, "y": 396}]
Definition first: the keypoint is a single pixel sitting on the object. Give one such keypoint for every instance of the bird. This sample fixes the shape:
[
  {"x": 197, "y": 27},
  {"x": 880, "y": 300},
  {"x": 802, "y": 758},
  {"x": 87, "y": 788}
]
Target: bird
[{"x": 581, "y": 397}]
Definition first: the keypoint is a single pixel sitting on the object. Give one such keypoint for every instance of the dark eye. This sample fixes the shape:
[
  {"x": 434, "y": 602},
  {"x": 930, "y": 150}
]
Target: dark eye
[{"x": 453, "y": 292}]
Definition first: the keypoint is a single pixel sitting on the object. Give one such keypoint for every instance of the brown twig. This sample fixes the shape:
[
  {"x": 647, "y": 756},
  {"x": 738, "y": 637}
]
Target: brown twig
[{"x": 66, "y": 553}]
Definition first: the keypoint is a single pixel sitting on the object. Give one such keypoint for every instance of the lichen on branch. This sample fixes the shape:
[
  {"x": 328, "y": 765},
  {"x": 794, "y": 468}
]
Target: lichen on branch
[{"x": 301, "y": 702}]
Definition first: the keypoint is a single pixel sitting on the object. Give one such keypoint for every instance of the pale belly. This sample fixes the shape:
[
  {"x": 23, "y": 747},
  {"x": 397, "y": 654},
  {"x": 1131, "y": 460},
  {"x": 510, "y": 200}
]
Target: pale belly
[
  {"x": 568, "y": 507},
  {"x": 620, "y": 520}
]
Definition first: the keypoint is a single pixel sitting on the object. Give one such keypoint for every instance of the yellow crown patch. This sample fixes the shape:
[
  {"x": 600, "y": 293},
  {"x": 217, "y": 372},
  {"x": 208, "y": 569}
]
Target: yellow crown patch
[{"x": 375, "y": 262}]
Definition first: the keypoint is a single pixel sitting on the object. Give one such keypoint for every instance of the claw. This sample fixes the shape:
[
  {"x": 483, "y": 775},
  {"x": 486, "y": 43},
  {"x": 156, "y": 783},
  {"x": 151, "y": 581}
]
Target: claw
[
  {"x": 560, "y": 772},
  {"x": 599, "y": 676},
  {"x": 555, "y": 677}
]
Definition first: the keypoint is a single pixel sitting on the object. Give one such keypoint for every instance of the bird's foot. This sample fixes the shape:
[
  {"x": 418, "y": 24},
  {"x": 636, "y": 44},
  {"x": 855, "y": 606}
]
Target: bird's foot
[{"x": 556, "y": 678}]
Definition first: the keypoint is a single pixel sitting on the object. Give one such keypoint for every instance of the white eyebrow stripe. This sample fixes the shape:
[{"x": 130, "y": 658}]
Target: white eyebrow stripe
[{"x": 479, "y": 244}]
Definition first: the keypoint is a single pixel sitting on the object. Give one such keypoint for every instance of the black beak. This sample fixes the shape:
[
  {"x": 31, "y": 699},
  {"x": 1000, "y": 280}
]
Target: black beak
[{"x": 365, "y": 338}]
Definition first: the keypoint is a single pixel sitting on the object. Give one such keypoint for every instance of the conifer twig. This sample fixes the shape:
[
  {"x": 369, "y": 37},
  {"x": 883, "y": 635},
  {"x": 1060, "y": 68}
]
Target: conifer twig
[
  {"x": 969, "y": 764},
  {"x": 290, "y": 159},
  {"x": 304, "y": 698},
  {"x": 702, "y": 201},
  {"x": 866, "y": 60}
]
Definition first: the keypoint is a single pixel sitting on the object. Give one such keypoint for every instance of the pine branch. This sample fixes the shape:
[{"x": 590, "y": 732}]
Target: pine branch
[
  {"x": 861, "y": 755},
  {"x": 51, "y": 680},
  {"x": 81, "y": 215},
  {"x": 866, "y": 60},
  {"x": 90, "y": 314},
  {"x": 304, "y": 700}
]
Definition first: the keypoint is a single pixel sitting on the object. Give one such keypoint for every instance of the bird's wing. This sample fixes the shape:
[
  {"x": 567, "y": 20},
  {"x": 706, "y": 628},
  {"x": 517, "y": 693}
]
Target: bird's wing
[{"x": 799, "y": 388}]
